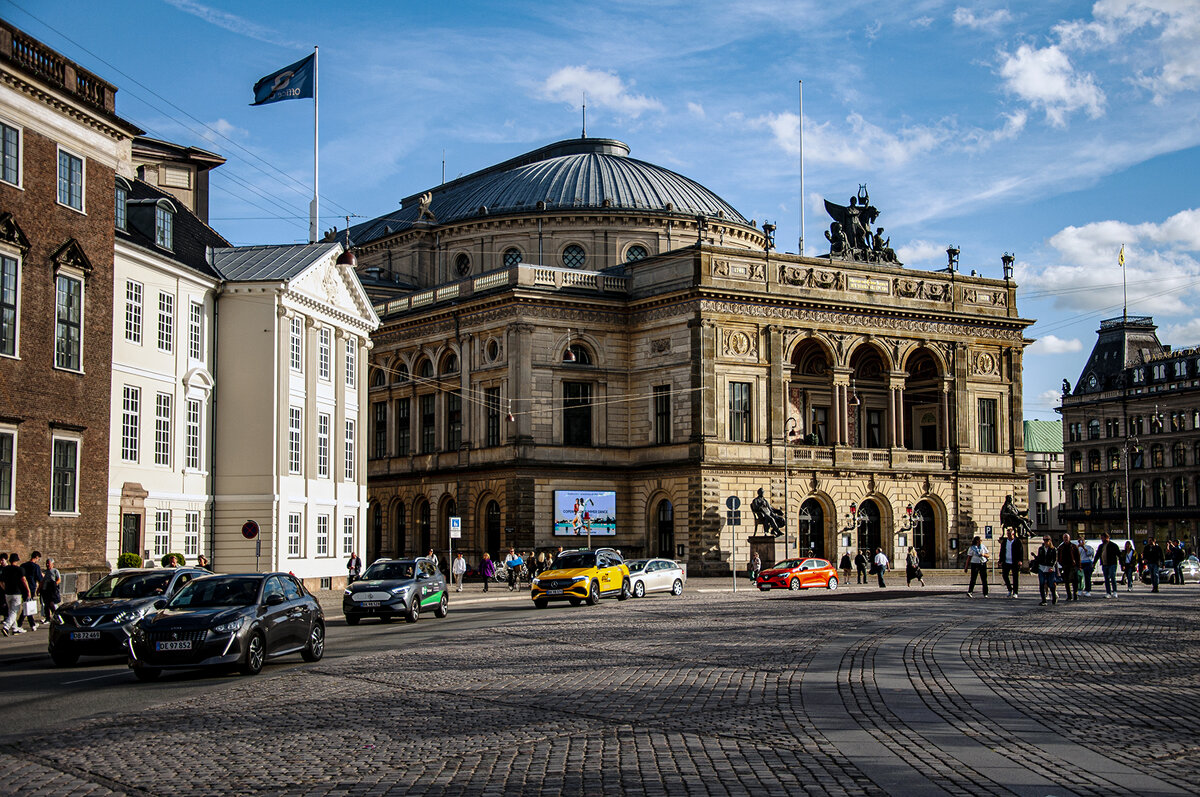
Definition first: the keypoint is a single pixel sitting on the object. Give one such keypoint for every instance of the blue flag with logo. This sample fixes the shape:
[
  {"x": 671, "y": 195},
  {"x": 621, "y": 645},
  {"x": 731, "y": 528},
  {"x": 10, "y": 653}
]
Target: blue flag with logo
[{"x": 293, "y": 82}]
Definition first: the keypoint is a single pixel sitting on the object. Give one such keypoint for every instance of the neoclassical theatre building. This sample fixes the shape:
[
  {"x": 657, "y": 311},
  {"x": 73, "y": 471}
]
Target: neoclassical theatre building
[{"x": 575, "y": 342}]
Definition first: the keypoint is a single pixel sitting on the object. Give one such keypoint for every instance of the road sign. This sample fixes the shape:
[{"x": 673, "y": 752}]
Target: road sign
[
  {"x": 987, "y": 530},
  {"x": 249, "y": 529},
  {"x": 456, "y": 528}
]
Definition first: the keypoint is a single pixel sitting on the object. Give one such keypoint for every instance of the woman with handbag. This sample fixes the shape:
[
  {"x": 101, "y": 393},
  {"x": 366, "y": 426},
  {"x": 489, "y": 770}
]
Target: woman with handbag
[
  {"x": 912, "y": 567},
  {"x": 51, "y": 592}
]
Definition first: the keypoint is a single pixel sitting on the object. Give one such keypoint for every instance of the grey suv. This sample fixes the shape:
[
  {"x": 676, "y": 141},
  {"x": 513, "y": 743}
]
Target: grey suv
[{"x": 392, "y": 587}]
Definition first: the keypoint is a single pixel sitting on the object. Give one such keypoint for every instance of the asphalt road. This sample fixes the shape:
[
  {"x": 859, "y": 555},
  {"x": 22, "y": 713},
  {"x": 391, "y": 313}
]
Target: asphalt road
[{"x": 37, "y": 696}]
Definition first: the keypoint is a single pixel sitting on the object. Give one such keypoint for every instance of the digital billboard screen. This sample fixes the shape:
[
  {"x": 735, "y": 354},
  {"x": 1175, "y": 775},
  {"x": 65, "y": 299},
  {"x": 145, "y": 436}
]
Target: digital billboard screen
[{"x": 580, "y": 512}]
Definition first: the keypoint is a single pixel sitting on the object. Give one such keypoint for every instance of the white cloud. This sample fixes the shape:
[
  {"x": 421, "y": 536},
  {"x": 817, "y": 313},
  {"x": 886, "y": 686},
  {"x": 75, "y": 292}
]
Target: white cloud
[
  {"x": 966, "y": 18},
  {"x": 234, "y": 23},
  {"x": 696, "y": 109},
  {"x": 222, "y": 129},
  {"x": 1049, "y": 398},
  {"x": 859, "y": 144},
  {"x": 1052, "y": 344},
  {"x": 923, "y": 253},
  {"x": 1183, "y": 335},
  {"x": 605, "y": 89},
  {"x": 1046, "y": 79},
  {"x": 922, "y": 22}
]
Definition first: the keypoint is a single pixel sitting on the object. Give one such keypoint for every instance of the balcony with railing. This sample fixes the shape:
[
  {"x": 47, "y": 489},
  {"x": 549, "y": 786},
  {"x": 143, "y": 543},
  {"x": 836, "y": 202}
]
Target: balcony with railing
[{"x": 34, "y": 58}]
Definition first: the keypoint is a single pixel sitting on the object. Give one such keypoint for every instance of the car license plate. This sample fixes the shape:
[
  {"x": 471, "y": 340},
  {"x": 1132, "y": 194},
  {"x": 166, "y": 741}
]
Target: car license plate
[
  {"x": 554, "y": 592},
  {"x": 369, "y": 604},
  {"x": 182, "y": 644},
  {"x": 85, "y": 635}
]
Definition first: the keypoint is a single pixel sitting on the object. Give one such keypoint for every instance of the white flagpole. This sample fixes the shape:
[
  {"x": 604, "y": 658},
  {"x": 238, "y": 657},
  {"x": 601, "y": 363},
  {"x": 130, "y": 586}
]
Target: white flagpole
[
  {"x": 801, "y": 168},
  {"x": 314, "y": 210}
]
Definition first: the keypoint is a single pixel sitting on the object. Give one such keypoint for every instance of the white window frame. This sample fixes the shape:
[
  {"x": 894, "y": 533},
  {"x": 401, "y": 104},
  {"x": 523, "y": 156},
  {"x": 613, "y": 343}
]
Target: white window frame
[
  {"x": 295, "y": 442},
  {"x": 162, "y": 429},
  {"x": 162, "y": 533},
  {"x": 82, "y": 179},
  {"x": 11, "y": 509},
  {"x": 135, "y": 293},
  {"x": 166, "y": 322},
  {"x": 351, "y": 361},
  {"x": 296, "y": 337},
  {"x": 323, "y": 428},
  {"x": 350, "y": 468},
  {"x": 164, "y": 226},
  {"x": 348, "y": 535},
  {"x": 16, "y": 259},
  {"x": 121, "y": 204},
  {"x": 131, "y": 422},
  {"x": 196, "y": 331},
  {"x": 58, "y": 322},
  {"x": 191, "y": 533},
  {"x": 77, "y": 441},
  {"x": 322, "y": 535},
  {"x": 20, "y": 131},
  {"x": 293, "y": 534},
  {"x": 324, "y": 348},
  {"x": 193, "y": 422}
]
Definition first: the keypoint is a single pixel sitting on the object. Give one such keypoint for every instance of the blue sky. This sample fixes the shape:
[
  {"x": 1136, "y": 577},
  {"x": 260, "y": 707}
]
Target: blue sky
[{"x": 1054, "y": 130}]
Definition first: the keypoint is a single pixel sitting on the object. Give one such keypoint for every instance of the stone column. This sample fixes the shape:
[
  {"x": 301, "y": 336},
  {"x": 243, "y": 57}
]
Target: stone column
[
  {"x": 776, "y": 385},
  {"x": 704, "y": 375},
  {"x": 520, "y": 369}
]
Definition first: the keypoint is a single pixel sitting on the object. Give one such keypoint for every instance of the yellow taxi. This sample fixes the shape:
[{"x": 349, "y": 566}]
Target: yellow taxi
[{"x": 582, "y": 575}]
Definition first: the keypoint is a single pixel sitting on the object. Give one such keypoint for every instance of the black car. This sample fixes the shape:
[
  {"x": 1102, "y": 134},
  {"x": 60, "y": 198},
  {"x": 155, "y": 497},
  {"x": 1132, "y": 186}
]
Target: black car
[
  {"x": 392, "y": 587},
  {"x": 229, "y": 621},
  {"x": 100, "y": 622}
]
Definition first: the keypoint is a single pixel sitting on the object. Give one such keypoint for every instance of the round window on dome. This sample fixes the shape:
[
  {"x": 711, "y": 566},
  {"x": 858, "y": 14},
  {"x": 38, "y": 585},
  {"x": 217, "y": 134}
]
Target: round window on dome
[
  {"x": 635, "y": 253},
  {"x": 574, "y": 256},
  {"x": 462, "y": 264},
  {"x": 512, "y": 257}
]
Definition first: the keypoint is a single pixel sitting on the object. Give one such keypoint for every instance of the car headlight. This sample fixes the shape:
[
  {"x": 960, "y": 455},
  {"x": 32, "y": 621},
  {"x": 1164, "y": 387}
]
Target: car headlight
[
  {"x": 120, "y": 618},
  {"x": 536, "y": 581},
  {"x": 349, "y": 591},
  {"x": 577, "y": 579},
  {"x": 230, "y": 627},
  {"x": 58, "y": 619},
  {"x": 399, "y": 590}
]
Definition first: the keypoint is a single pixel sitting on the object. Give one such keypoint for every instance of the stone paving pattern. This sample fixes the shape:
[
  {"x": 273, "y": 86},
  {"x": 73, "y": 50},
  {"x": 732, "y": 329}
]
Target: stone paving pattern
[{"x": 704, "y": 694}]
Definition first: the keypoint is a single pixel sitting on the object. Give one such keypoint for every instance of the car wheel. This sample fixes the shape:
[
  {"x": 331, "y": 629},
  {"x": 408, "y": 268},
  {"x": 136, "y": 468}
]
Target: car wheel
[
  {"x": 677, "y": 587},
  {"x": 146, "y": 673},
  {"x": 794, "y": 585},
  {"x": 832, "y": 582},
  {"x": 639, "y": 590},
  {"x": 64, "y": 658},
  {"x": 352, "y": 619},
  {"x": 256, "y": 654},
  {"x": 414, "y": 610},
  {"x": 625, "y": 593},
  {"x": 575, "y": 601},
  {"x": 443, "y": 607},
  {"x": 593, "y": 594},
  {"x": 541, "y": 603},
  {"x": 316, "y": 644}
]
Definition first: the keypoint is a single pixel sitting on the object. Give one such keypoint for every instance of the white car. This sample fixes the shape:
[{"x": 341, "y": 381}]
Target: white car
[{"x": 656, "y": 575}]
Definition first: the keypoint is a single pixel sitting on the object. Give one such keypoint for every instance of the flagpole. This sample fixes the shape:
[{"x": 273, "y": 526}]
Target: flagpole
[
  {"x": 314, "y": 211},
  {"x": 1124, "y": 286},
  {"x": 801, "y": 82}
]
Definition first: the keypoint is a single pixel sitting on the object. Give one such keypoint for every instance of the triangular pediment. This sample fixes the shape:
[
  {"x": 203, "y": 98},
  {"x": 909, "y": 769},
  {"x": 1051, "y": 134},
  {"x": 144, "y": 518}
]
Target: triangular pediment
[
  {"x": 11, "y": 233},
  {"x": 71, "y": 255},
  {"x": 336, "y": 286}
]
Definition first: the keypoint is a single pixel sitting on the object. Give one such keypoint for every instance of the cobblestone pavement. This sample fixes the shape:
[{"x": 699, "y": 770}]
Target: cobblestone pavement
[{"x": 710, "y": 693}]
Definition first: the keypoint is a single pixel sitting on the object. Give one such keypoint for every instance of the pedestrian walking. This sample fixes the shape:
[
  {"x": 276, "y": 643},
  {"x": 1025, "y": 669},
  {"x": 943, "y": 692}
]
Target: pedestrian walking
[
  {"x": 860, "y": 563},
  {"x": 32, "y": 570},
  {"x": 977, "y": 557},
  {"x": 1152, "y": 556},
  {"x": 540, "y": 567},
  {"x": 51, "y": 593},
  {"x": 353, "y": 568},
  {"x": 16, "y": 592},
  {"x": 433, "y": 558},
  {"x": 1068, "y": 561},
  {"x": 487, "y": 569},
  {"x": 880, "y": 565},
  {"x": 1109, "y": 557},
  {"x": 511, "y": 563},
  {"x": 1129, "y": 565},
  {"x": 1012, "y": 556},
  {"x": 1046, "y": 562},
  {"x": 755, "y": 566},
  {"x": 458, "y": 569},
  {"x": 912, "y": 567},
  {"x": 1087, "y": 565},
  {"x": 1176, "y": 554},
  {"x": 846, "y": 566}
]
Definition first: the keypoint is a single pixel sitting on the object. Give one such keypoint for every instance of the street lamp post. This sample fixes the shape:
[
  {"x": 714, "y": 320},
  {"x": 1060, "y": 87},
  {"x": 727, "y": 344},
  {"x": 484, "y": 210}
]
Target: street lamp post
[{"x": 789, "y": 433}]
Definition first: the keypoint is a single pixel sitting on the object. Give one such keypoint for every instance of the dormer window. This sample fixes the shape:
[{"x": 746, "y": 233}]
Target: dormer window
[
  {"x": 164, "y": 224},
  {"x": 121, "y": 213}
]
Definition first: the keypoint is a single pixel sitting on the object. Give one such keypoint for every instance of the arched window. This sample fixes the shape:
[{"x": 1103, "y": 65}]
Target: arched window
[
  {"x": 378, "y": 379},
  {"x": 1094, "y": 490},
  {"x": 1137, "y": 494},
  {"x": 1093, "y": 429},
  {"x": 1076, "y": 462},
  {"x": 1114, "y": 459},
  {"x": 1077, "y": 496},
  {"x": 1094, "y": 461},
  {"x": 666, "y": 529},
  {"x": 1114, "y": 495},
  {"x": 574, "y": 256},
  {"x": 1178, "y": 455},
  {"x": 425, "y": 371},
  {"x": 401, "y": 526},
  {"x": 512, "y": 257},
  {"x": 450, "y": 364},
  {"x": 401, "y": 374},
  {"x": 1158, "y": 492},
  {"x": 421, "y": 518},
  {"x": 492, "y": 540},
  {"x": 581, "y": 355},
  {"x": 1181, "y": 491},
  {"x": 1156, "y": 456}
]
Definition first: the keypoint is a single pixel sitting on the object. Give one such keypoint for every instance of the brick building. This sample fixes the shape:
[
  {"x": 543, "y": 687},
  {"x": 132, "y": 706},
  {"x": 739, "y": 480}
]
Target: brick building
[
  {"x": 62, "y": 147},
  {"x": 574, "y": 327}
]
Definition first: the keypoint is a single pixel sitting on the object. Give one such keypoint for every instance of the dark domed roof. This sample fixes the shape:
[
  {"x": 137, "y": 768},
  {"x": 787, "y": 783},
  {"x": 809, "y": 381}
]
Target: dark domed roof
[{"x": 586, "y": 173}]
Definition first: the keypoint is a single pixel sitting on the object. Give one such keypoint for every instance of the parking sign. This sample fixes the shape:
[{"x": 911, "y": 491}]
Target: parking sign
[{"x": 456, "y": 528}]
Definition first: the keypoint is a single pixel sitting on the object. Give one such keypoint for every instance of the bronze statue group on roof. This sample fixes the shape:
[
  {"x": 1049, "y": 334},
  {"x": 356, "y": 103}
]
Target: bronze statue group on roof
[{"x": 850, "y": 236}]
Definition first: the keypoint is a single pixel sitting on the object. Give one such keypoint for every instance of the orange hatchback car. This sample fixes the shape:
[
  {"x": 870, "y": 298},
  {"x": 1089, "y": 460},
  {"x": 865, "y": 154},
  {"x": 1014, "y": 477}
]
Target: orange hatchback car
[{"x": 797, "y": 574}]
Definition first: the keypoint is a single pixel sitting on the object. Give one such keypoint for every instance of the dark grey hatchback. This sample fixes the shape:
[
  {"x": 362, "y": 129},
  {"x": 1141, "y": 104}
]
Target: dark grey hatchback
[
  {"x": 101, "y": 621},
  {"x": 229, "y": 621}
]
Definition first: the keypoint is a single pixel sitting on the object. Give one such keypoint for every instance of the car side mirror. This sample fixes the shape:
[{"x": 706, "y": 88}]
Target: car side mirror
[
  {"x": 160, "y": 604},
  {"x": 274, "y": 600}
]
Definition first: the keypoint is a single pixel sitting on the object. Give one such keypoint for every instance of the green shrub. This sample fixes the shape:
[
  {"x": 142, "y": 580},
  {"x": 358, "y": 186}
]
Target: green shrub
[
  {"x": 178, "y": 558},
  {"x": 129, "y": 560}
]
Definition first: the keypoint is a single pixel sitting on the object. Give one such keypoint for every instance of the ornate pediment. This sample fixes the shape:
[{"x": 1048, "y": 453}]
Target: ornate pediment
[
  {"x": 11, "y": 233},
  {"x": 71, "y": 255}
]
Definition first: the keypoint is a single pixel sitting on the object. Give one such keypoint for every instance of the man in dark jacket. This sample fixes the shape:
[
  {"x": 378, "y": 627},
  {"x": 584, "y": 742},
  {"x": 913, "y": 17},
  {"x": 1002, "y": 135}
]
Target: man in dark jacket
[
  {"x": 1045, "y": 562},
  {"x": 860, "y": 564},
  {"x": 1012, "y": 555},
  {"x": 1068, "y": 560},
  {"x": 1109, "y": 557},
  {"x": 1152, "y": 555},
  {"x": 1176, "y": 555},
  {"x": 32, "y": 570},
  {"x": 16, "y": 592}
]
